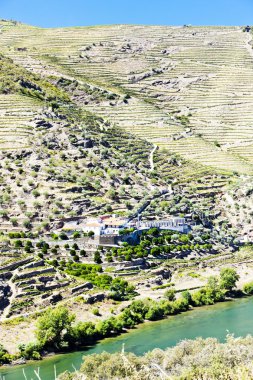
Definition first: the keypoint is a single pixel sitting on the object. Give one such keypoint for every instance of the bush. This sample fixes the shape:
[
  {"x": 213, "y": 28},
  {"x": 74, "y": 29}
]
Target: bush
[
  {"x": 76, "y": 234},
  {"x": 248, "y": 288},
  {"x": 4, "y": 356},
  {"x": 121, "y": 290},
  {"x": 83, "y": 333},
  {"x": 154, "y": 313},
  {"x": 190, "y": 359},
  {"x": 63, "y": 236},
  {"x": 27, "y": 223},
  {"x": 170, "y": 294},
  {"x": 97, "y": 258},
  {"x": 95, "y": 311},
  {"x": 228, "y": 278},
  {"x": 187, "y": 296},
  {"x": 31, "y": 351}
]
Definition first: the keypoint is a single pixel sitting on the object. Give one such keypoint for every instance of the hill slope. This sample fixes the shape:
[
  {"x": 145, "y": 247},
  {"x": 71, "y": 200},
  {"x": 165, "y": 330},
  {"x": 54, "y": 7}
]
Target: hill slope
[
  {"x": 108, "y": 119},
  {"x": 191, "y": 87}
]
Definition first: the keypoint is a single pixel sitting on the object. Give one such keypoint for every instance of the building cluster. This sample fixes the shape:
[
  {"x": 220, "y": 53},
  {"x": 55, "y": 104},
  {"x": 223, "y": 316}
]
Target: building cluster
[{"x": 112, "y": 225}]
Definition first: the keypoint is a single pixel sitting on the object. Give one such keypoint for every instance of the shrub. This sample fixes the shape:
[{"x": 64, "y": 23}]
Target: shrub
[
  {"x": 97, "y": 258},
  {"x": 4, "y": 356},
  {"x": 81, "y": 334},
  {"x": 27, "y": 224},
  {"x": 31, "y": 351},
  {"x": 63, "y": 236},
  {"x": 170, "y": 294},
  {"x": 154, "y": 313},
  {"x": 248, "y": 288},
  {"x": 76, "y": 234},
  {"x": 95, "y": 311},
  {"x": 228, "y": 278}
]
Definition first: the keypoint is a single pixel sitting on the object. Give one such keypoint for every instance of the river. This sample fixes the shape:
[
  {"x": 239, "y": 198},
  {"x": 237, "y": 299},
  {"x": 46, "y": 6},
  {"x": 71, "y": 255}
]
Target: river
[{"x": 210, "y": 321}]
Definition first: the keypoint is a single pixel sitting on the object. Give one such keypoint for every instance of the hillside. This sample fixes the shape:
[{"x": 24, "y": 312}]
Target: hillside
[
  {"x": 190, "y": 87},
  {"x": 114, "y": 120}
]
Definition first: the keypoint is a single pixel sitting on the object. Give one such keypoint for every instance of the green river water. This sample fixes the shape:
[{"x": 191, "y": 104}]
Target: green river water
[{"x": 212, "y": 321}]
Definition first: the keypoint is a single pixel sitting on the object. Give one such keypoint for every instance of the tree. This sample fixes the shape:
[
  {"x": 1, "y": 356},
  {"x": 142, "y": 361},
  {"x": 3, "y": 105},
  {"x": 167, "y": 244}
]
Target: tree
[
  {"x": 105, "y": 328},
  {"x": 63, "y": 236},
  {"x": 187, "y": 296},
  {"x": 76, "y": 234},
  {"x": 53, "y": 325},
  {"x": 120, "y": 289},
  {"x": 155, "y": 251},
  {"x": 228, "y": 278},
  {"x": 170, "y": 294},
  {"x": 83, "y": 252},
  {"x": 18, "y": 244},
  {"x": 97, "y": 258},
  {"x": 82, "y": 333}
]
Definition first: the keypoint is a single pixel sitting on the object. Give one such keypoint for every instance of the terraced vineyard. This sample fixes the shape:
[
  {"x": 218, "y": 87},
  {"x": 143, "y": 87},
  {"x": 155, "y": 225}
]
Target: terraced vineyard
[
  {"x": 16, "y": 130},
  {"x": 117, "y": 120},
  {"x": 191, "y": 87}
]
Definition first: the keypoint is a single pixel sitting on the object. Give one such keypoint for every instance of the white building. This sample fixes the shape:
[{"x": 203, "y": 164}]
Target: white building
[
  {"x": 174, "y": 224},
  {"x": 108, "y": 224}
]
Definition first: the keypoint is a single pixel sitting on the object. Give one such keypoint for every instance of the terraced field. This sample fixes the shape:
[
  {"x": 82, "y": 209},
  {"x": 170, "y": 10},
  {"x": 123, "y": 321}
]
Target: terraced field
[
  {"x": 117, "y": 120},
  {"x": 16, "y": 114},
  {"x": 190, "y": 89}
]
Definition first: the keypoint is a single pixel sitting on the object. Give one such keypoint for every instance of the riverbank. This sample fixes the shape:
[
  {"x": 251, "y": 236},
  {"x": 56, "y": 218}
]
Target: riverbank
[
  {"x": 14, "y": 332},
  {"x": 140, "y": 325},
  {"x": 207, "y": 321}
]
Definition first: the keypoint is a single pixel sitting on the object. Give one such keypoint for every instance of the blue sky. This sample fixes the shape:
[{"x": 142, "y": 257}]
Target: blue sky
[{"x": 52, "y": 13}]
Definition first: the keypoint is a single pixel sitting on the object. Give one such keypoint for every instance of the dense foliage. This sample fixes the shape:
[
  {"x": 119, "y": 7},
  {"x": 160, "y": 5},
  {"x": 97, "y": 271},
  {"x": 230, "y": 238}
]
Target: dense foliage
[
  {"x": 119, "y": 289},
  {"x": 57, "y": 330},
  {"x": 158, "y": 243},
  {"x": 200, "y": 359}
]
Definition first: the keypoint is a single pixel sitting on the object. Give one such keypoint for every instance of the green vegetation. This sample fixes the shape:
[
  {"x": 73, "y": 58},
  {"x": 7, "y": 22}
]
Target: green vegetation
[
  {"x": 5, "y": 358},
  {"x": 189, "y": 360},
  {"x": 52, "y": 326},
  {"x": 56, "y": 329},
  {"x": 161, "y": 243},
  {"x": 228, "y": 278},
  {"x": 15, "y": 79},
  {"x": 119, "y": 288},
  {"x": 248, "y": 288},
  {"x": 87, "y": 146}
]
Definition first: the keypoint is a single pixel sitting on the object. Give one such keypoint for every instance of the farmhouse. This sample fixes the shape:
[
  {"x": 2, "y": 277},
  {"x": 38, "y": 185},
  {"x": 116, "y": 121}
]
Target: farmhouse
[{"x": 107, "y": 224}]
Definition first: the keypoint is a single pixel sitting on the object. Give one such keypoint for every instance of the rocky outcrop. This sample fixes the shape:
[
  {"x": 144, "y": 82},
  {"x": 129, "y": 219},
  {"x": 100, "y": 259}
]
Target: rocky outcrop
[{"x": 4, "y": 292}]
